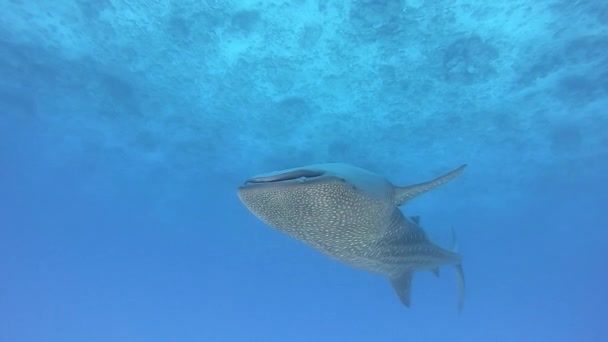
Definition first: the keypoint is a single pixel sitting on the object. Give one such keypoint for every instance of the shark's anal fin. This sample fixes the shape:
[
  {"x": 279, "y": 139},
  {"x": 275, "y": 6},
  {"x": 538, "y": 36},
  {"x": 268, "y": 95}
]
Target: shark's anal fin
[
  {"x": 460, "y": 280},
  {"x": 405, "y": 194},
  {"x": 402, "y": 285}
]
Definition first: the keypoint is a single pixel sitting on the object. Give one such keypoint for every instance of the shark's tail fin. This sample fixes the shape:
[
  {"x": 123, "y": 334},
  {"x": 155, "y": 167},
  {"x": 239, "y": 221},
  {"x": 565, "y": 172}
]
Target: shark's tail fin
[
  {"x": 454, "y": 248},
  {"x": 459, "y": 273},
  {"x": 460, "y": 279},
  {"x": 406, "y": 193}
]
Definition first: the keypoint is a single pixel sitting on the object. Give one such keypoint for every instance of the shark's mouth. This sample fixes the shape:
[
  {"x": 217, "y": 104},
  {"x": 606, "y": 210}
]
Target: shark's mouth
[{"x": 286, "y": 176}]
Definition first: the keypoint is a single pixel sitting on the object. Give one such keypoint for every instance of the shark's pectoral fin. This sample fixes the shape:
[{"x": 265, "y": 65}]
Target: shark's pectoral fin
[
  {"x": 402, "y": 285},
  {"x": 407, "y": 193},
  {"x": 460, "y": 279}
]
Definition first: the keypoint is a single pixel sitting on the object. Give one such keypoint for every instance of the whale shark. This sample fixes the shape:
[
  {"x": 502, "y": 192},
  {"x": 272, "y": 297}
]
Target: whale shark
[{"x": 353, "y": 215}]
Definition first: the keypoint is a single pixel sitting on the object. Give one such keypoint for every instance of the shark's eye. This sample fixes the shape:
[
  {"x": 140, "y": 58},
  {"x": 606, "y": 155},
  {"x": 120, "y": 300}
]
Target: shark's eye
[{"x": 287, "y": 176}]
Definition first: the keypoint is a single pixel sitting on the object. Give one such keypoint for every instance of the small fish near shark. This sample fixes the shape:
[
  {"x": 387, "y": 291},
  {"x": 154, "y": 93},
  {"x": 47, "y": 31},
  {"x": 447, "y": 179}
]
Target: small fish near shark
[{"x": 352, "y": 215}]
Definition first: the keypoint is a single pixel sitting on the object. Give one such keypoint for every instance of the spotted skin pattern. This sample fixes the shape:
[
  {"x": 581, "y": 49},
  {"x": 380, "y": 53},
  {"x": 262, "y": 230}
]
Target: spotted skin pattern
[{"x": 352, "y": 215}]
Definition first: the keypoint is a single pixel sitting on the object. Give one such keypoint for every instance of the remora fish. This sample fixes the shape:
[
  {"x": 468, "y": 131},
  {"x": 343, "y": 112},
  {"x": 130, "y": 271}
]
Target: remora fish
[{"x": 352, "y": 215}]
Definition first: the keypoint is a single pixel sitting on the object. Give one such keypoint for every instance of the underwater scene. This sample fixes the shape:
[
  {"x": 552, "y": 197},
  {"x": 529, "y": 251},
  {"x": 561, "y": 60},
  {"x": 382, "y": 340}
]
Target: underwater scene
[{"x": 303, "y": 170}]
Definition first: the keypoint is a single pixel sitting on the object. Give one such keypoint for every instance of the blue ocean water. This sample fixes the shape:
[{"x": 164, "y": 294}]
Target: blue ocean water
[{"x": 126, "y": 127}]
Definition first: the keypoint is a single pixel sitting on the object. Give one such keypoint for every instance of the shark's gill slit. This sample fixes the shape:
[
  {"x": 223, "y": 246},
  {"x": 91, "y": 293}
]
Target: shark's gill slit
[{"x": 287, "y": 176}]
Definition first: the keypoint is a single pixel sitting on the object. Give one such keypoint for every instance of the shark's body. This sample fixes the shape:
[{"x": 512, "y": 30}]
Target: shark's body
[{"x": 352, "y": 215}]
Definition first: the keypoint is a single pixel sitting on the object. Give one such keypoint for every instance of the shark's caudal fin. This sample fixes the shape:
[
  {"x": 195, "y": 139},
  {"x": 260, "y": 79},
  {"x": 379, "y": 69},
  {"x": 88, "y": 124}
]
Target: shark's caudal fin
[
  {"x": 406, "y": 193},
  {"x": 402, "y": 285},
  {"x": 454, "y": 247},
  {"x": 460, "y": 279},
  {"x": 459, "y": 273}
]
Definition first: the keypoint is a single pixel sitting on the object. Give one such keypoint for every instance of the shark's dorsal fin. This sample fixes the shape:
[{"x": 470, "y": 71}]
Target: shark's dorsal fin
[
  {"x": 402, "y": 285},
  {"x": 404, "y": 194}
]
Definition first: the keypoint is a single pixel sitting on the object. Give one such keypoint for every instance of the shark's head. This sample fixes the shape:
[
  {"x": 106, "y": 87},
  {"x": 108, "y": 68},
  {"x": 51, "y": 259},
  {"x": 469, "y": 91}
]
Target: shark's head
[{"x": 312, "y": 197}]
